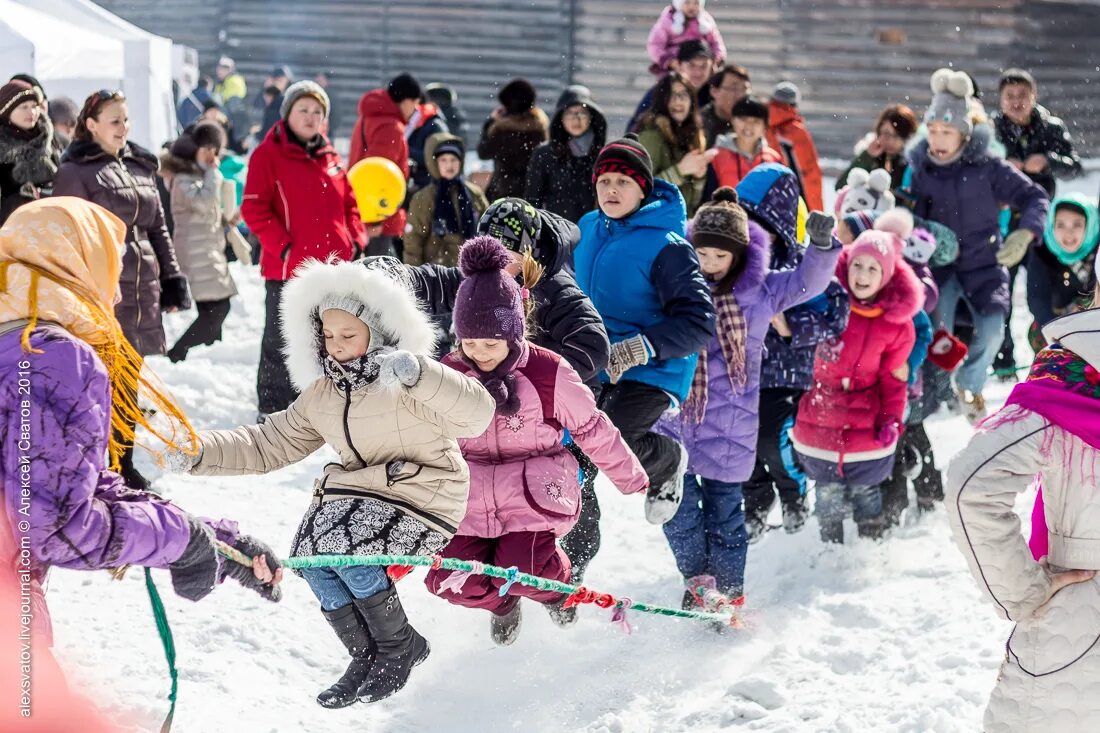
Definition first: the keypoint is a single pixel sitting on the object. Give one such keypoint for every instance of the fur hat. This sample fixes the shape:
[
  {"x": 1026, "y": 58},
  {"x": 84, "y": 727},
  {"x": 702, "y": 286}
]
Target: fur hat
[
  {"x": 865, "y": 190},
  {"x": 300, "y": 89},
  {"x": 884, "y": 247},
  {"x": 13, "y": 94},
  {"x": 517, "y": 96},
  {"x": 629, "y": 157},
  {"x": 722, "y": 223},
  {"x": 489, "y": 304},
  {"x": 402, "y": 87},
  {"x": 384, "y": 303},
  {"x": 951, "y": 93}
]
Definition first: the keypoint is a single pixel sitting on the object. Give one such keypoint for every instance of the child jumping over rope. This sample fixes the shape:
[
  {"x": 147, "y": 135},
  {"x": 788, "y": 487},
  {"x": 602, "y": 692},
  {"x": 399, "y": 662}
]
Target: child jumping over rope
[
  {"x": 720, "y": 420},
  {"x": 524, "y": 490},
  {"x": 357, "y": 348}
]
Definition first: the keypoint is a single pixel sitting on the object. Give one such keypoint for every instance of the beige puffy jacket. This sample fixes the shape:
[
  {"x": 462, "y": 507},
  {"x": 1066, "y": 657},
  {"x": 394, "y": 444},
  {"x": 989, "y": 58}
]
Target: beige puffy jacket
[
  {"x": 368, "y": 427},
  {"x": 1050, "y": 678}
]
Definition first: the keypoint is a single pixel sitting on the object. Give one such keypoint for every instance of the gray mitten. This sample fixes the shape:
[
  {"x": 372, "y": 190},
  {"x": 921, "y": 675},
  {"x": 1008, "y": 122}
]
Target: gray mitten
[
  {"x": 820, "y": 228},
  {"x": 626, "y": 355},
  {"x": 176, "y": 461},
  {"x": 244, "y": 575},
  {"x": 400, "y": 366},
  {"x": 195, "y": 572}
]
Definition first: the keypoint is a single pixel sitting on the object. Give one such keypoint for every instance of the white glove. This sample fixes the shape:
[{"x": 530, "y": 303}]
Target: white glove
[
  {"x": 399, "y": 366},
  {"x": 1014, "y": 248},
  {"x": 176, "y": 461},
  {"x": 626, "y": 355}
]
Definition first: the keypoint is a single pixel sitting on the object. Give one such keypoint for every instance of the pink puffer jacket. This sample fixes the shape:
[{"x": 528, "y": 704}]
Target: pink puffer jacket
[{"x": 522, "y": 479}]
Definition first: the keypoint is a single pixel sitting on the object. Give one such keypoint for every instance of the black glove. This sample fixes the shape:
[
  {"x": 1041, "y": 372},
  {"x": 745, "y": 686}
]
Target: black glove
[
  {"x": 174, "y": 292},
  {"x": 195, "y": 572},
  {"x": 243, "y": 574},
  {"x": 820, "y": 228}
]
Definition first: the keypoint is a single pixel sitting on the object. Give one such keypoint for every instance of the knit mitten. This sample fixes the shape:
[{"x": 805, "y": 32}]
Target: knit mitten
[
  {"x": 626, "y": 355},
  {"x": 820, "y": 227}
]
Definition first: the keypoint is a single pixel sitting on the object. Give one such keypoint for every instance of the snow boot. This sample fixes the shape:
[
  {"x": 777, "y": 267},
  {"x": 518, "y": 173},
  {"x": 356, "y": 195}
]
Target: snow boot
[
  {"x": 505, "y": 629},
  {"x": 663, "y": 501},
  {"x": 560, "y": 615},
  {"x": 832, "y": 531},
  {"x": 871, "y": 529},
  {"x": 398, "y": 647},
  {"x": 351, "y": 630},
  {"x": 794, "y": 516},
  {"x": 756, "y": 526}
]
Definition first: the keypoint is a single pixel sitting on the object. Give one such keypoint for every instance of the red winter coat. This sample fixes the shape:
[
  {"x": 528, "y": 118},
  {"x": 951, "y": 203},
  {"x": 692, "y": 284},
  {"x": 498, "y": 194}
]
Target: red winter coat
[
  {"x": 785, "y": 124},
  {"x": 380, "y": 132},
  {"x": 855, "y": 391},
  {"x": 730, "y": 166},
  {"x": 299, "y": 205}
]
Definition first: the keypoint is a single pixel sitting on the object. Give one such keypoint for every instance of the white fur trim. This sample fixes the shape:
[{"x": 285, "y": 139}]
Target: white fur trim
[
  {"x": 896, "y": 221},
  {"x": 391, "y": 305}
]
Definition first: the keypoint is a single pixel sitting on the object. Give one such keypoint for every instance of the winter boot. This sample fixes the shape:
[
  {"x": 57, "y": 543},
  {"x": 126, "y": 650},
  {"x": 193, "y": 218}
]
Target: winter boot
[
  {"x": 756, "y": 526},
  {"x": 832, "y": 531},
  {"x": 794, "y": 516},
  {"x": 351, "y": 630},
  {"x": 871, "y": 529},
  {"x": 973, "y": 405},
  {"x": 398, "y": 647},
  {"x": 663, "y": 501},
  {"x": 560, "y": 615},
  {"x": 505, "y": 629}
]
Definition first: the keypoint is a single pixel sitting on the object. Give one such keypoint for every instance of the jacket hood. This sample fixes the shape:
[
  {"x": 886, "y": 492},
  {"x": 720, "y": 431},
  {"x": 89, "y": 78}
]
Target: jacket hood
[
  {"x": 557, "y": 240},
  {"x": 571, "y": 97},
  {"x": 378, "y": 103},
  {"x": 900, "y": 299},
  {"x": 975, "y": 150},
  {"x": 769, "y": 193},
  {"x": 781, "y": 113},
  {"x": 1092, "y": 227},
  {"x": 429, "y": 152},
  {"x": 1076, "y": 332},
  {"x": 757, "y": 258},
  {"x": 85, "y": 151},
  {"x": 664, "y": 209},
  {"x": 387, "y": 303}
]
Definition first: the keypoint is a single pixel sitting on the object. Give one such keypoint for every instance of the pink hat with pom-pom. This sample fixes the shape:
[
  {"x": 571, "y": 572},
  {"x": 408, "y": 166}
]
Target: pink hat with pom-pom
[
  {"x": 884, "y": 247},
  {"x": 489, "y": 304}
]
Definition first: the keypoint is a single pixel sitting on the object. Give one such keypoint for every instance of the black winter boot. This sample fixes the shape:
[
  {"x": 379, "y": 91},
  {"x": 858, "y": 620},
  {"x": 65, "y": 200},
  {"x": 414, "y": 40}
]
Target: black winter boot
[
  {"x": 398, "y": 647},
  {"x": 350, "y": 630}
]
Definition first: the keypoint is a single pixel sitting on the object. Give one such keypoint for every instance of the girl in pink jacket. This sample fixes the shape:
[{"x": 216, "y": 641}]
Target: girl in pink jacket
[
  {"x": 684, "y": 20},
  {"x": 524, "y": 493}
]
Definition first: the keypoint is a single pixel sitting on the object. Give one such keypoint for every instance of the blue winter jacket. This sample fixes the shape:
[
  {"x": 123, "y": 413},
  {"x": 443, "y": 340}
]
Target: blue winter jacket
[{"x": 643, "y": 277}]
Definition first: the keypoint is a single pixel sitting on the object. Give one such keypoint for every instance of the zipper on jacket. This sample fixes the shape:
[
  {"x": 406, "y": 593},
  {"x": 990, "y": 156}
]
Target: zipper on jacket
[
  {"x": 286, "y": 216},
  {"x": 347, "y": 429}
]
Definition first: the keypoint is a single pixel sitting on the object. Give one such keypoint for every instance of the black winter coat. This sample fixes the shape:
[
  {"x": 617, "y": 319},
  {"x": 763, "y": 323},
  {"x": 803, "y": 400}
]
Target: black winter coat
[
  {"x": 1052, "y": 288},
  {"x": 1044, "y": 135},
  {"x": 566, "y": 321},
  {"x": 151, "y": 277},
  {"x": 509, "y": 142},
  {"x": 26, "y": 166},
  {"x": 557, "y": 180}
]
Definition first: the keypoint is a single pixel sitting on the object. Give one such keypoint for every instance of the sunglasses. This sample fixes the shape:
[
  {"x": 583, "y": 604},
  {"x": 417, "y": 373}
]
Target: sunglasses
[{"x": 98, "y": 99}]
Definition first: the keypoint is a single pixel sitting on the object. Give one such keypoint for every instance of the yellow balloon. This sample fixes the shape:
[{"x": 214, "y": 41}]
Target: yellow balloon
[
  {"x": 803, "y": 215},
  {"x": 379, "y": 188}
]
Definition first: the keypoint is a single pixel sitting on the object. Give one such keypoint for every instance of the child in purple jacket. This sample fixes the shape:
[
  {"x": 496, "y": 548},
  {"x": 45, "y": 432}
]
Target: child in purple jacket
[
  {"x": 719, "y": 422},
  {"x": 524, "y": 490}
]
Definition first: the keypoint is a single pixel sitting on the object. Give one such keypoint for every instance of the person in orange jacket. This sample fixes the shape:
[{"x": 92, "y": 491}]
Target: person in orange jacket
[
  {"x": 380, "y": 132},
  {"x": 786, "y": 125},
  {"x": 746, "y": 148}
]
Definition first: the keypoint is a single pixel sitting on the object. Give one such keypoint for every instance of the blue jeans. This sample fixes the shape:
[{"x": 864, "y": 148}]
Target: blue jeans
[
  {"x": 338, "y": 587},
  {"x": 832, "y": 504},
  {"x": 708, "y": 535},
  {"x": 988, "y": 334}
]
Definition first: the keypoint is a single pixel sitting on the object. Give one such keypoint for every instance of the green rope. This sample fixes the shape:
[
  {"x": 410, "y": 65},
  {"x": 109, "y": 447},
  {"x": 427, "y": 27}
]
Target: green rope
[
  {"x": 450, "y": 563},
  {"x": 169, "y": 645}
]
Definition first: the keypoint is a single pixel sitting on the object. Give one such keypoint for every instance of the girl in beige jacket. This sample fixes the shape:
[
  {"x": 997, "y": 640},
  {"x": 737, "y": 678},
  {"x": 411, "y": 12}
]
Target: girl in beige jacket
[{"x": 357, "y": 348}]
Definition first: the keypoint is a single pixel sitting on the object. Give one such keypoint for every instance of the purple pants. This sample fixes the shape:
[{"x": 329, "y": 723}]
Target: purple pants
[{"x": 535, "y": 553}]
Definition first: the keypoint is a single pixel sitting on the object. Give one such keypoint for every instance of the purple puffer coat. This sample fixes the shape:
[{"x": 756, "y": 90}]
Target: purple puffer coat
[
  {"x": 56, "y": 422},
  {"x": 967, "y": 196},
  {"x": 723, "y": 446}
]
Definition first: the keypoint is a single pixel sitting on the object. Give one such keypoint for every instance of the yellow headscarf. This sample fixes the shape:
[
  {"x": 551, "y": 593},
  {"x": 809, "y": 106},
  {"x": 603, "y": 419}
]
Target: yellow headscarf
[{"x": 60, "y": 260}]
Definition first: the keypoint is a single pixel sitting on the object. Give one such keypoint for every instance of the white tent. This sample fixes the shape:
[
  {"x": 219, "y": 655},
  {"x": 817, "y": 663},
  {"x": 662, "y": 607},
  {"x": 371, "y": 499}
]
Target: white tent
[
  {"x": 69, "y": 61},
  {"x": 147, "y": 78}
]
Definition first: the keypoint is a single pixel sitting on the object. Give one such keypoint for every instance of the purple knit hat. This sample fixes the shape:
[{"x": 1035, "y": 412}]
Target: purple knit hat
[{"x": 489, "y": 305}]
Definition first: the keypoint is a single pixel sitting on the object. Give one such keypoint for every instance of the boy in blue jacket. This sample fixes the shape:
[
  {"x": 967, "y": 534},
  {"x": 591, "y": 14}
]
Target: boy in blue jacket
[{"x": 642, "y": 275}]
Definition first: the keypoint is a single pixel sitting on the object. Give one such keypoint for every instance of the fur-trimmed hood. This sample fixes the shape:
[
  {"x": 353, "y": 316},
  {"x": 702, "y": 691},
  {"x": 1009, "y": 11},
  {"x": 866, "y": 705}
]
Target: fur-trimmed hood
[
  {"x": 533, "y": 120},
  {"x": 757, "y": 258},
  {"x": 900, "y": 299},
  {"x": 33, "y": 161},
  {"x": 390, "y": 305}
]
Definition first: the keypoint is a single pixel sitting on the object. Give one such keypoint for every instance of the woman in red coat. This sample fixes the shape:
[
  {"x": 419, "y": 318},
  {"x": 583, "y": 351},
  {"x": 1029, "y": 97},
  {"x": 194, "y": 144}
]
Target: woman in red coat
[
  {"x": 298, "y": 202},
  {"x": 849, "y": 422}
]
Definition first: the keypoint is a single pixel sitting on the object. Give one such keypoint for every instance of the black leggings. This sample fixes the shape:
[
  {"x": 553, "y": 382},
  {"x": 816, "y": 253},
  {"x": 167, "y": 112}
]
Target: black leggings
[{"x": 204, "y": 330}]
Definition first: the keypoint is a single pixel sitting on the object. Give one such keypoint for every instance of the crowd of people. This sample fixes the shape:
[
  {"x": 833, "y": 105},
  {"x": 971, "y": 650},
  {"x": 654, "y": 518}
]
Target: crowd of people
[{"x": 672, "y": 307}]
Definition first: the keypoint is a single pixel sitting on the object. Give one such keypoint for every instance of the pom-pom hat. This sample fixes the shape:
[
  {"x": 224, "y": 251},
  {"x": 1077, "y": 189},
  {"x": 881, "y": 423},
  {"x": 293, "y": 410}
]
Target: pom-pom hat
[
  {"x": 629, "y": 157},
  {"x": 489, "y": 304}
]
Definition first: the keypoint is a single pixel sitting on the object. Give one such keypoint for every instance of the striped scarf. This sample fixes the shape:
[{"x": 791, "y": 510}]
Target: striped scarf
[{"x": 732, "y": 332}]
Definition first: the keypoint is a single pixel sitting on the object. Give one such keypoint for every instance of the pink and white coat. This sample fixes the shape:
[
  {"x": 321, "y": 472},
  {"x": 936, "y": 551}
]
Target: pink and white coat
[{"x": 665, "y": 38}]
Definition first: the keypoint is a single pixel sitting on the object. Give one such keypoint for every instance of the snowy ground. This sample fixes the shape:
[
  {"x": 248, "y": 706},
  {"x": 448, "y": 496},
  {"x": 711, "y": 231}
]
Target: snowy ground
[{"x": 886, "y": 637}]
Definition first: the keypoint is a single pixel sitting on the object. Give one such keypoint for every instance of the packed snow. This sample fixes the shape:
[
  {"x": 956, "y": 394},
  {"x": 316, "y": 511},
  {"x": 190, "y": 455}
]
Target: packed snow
[{"x": 869, "y": 636}]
